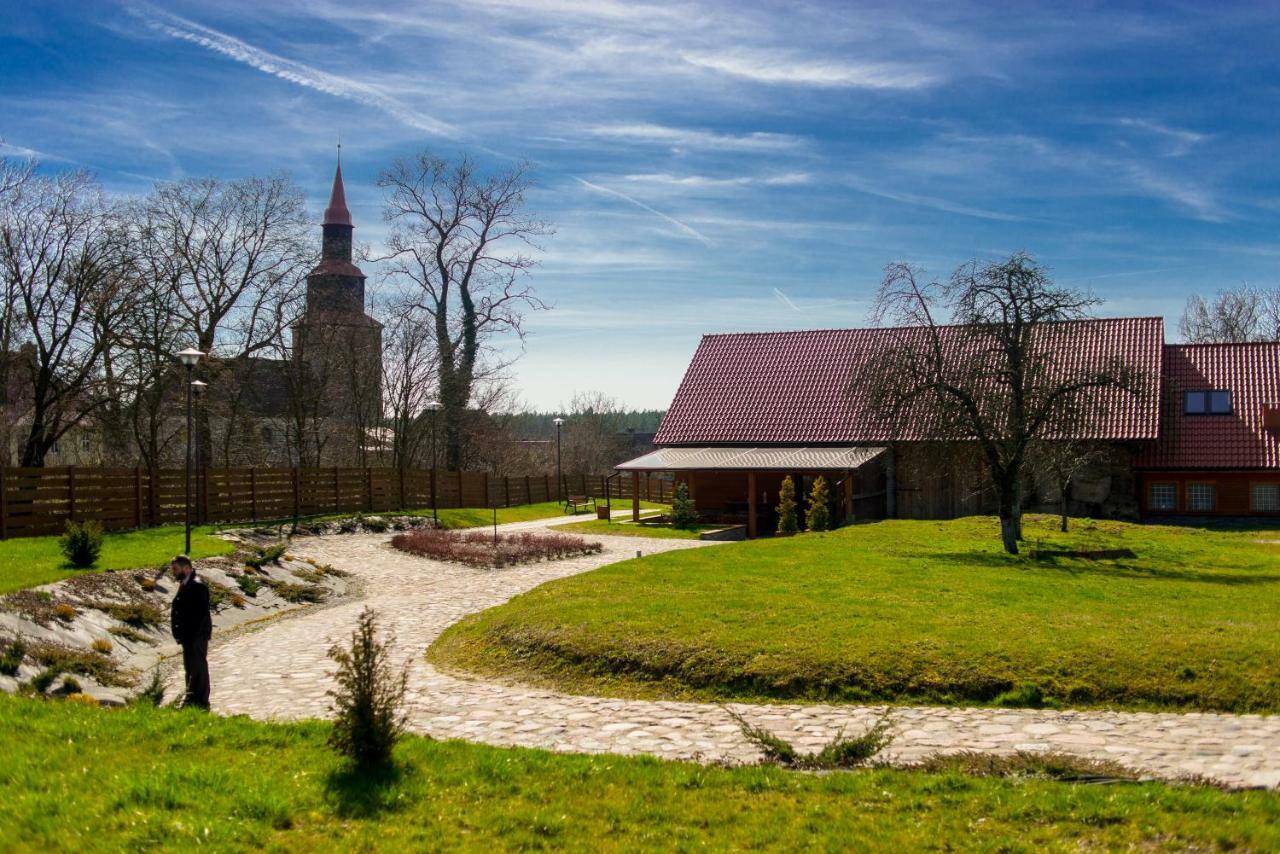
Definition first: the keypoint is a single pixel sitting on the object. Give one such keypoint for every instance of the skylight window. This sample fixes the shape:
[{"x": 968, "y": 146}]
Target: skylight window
[{"x": 1207, "y": 402}]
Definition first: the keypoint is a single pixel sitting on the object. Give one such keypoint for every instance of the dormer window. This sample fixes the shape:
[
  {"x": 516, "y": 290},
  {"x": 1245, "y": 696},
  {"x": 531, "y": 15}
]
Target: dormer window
[{"x": 1207, "y": 402}]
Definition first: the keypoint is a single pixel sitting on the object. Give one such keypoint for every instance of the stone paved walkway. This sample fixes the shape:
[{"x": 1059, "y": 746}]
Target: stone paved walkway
[{"x": 281, "y": 671}]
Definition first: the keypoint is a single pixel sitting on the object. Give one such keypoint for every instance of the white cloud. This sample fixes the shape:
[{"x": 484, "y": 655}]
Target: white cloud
[
  {"x": 694, "y": 138},
  {"x": 684, "y": 229},
  {"x": 297, "y": 73},
  {"x": 782, "y": 68},
  {"x": 666, "y": 179}
]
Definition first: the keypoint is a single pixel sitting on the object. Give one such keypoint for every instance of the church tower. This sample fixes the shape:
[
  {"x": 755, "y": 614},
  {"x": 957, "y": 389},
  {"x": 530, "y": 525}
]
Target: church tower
[{"x": 339, "y": 345}]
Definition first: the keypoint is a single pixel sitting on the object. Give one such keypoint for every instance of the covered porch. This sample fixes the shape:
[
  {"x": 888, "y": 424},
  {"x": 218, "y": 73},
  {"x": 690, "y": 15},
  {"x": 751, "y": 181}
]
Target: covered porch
[{"x": 740, "y": 485}]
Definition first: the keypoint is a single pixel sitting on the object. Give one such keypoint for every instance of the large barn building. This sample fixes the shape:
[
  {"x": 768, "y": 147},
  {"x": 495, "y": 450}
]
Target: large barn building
[{"x": 1202, "y": 439}]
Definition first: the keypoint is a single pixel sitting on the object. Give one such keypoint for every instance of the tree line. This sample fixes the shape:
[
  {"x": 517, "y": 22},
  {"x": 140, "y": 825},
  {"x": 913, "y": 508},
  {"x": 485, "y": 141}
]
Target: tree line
[{"x": 101, "y": 292}]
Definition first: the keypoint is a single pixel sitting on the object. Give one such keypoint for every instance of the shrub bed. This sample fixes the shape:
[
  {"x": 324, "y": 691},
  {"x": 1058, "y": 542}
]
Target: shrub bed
[{"x": 477, "y": 548}]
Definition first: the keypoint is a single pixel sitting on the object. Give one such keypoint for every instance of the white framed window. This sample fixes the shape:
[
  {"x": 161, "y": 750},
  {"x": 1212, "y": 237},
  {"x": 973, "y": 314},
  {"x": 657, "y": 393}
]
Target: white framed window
[
  {"x": 1162, "y": 496},
  {"x": 1266, "y": 497},
  {"x": 1202, "y": 497}
]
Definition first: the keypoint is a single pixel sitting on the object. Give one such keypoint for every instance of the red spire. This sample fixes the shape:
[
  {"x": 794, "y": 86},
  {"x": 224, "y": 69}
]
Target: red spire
[{"x": 337, "y": 213}]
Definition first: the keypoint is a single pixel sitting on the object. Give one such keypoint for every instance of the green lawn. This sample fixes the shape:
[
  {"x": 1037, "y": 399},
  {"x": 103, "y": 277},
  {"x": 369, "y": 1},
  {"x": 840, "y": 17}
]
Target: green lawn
[
  {"x": 910, "y": 611},
  {"x": 83, "y": 779},
  {"x": 630, "y": 529},
  {"x": 474, "y": 517},
  {"x": 31, "y": 561}
]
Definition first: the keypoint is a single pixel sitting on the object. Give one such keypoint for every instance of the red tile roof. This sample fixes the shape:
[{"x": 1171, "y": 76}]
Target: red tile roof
[
  {"x": 1252, "y": 373},
  {"x": 794, "y": 387}
]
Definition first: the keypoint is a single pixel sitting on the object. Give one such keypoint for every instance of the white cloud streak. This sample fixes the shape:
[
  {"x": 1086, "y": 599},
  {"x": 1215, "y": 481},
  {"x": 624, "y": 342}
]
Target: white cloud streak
[
  {"x": 785, "y": 300},
  {"x": 687, "y": 230},
  {"x": 780, "y": 68},
  {"x": 300, "y": 74},
  {"x": 694, "y": 138}
]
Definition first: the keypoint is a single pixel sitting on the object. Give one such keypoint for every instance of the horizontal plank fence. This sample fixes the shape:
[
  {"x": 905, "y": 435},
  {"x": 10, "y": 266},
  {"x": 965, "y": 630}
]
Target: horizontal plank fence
[{"x": 39, "y": 501}]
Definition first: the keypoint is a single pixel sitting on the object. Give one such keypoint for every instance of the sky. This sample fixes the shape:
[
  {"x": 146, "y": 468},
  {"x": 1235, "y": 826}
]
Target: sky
[{"x": 707, "y": 167}]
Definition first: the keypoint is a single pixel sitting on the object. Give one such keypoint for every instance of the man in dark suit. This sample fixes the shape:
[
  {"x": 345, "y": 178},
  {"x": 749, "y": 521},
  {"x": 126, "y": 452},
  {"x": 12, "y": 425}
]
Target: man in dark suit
[{"x": 192, "y": 627}]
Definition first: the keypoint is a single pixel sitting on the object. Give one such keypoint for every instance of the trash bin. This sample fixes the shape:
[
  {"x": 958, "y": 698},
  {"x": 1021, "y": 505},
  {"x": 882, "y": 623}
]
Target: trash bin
[{"x": 602, "y": 511}]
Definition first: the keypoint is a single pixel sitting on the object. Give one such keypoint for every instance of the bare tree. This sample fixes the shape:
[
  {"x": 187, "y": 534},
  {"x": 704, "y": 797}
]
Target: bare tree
[
  {"x": 591, "y": 441},
  {"x": 234, "y": 254},
  {"x": 14, "y": 175},
  {"x": 1003, "y": 377},
  {"x": 459, "y": 237},
  {"x": 63, "y": 266},
  {"x": 1059, "y": 460},
  {"x": 1242, "y": 314},
  {"x": 409, "y": 380}
]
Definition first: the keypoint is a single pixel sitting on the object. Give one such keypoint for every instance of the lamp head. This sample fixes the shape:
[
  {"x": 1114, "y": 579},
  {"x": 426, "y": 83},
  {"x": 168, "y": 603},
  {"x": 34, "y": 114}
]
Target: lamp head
[
  {"x": 557, "y": 421},
  {"x": 198, "y": 387},
  {"x": 190, "y": 356}
]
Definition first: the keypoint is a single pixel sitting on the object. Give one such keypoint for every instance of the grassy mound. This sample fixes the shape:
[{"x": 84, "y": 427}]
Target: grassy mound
[
  {"x": 1111, "y": 614},
  {"x": 79, "y": 778}
]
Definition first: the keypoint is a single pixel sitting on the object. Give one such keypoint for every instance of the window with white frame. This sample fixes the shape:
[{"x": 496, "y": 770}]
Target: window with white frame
[
  {"x": 1202, "y": 497},
  {"x": 1266, "y": 497},
  {"x": 1163, "y": 496}
]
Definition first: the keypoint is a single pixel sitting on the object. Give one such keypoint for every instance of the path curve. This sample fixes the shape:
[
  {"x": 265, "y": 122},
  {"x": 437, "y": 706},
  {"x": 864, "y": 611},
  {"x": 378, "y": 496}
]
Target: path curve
[{"x": 280, "y": 671}]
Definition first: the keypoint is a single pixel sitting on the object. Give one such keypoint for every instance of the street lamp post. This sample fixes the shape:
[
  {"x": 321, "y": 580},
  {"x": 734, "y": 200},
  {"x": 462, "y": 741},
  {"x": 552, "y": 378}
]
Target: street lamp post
[
  {"x": 197, "y": 392},
  {"x": 433, "y": 406},
  {"x": 559, "y": 477},
  {"x": 189, "y": 358}
]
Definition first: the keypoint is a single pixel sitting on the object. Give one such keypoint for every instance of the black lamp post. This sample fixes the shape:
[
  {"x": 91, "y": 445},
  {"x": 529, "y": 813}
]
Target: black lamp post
[
  {"x": 433, "y": 406},
  {"x": 197, "y": 392},
  {"x": 189, "y": 358},
  {"x": 559, "y": 477}
]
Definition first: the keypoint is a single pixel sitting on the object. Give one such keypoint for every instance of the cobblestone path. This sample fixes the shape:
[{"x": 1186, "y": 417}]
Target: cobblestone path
[{"x": 280, "y": 671}]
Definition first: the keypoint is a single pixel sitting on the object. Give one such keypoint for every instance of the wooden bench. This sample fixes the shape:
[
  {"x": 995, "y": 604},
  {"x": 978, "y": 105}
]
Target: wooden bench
[{"x": 573, "y": 502}]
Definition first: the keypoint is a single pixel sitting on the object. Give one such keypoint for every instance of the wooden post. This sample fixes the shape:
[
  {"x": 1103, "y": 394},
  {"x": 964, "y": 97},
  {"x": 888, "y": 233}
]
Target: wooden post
[
  {"x": 368, "y": 488},
  {"x": 546, "y": 487},
  {"x": 506, "y": 489},
  {"x": 253, "y": 493},
  {"x": 4, "y": 507},
  {"x": 583, "y": 477},
  {"x": 487, "y": 502},
  {"x": 337, "y": 492},
  {"x": 751, "y": 505},
  {"x": 137, "y": 497},
  {"x": 528, "y": 490},
  {"x": 635, "y": 496},
  {"x": 461, "y": 501},
  {"x": 297, "y": 490},
  {"x": 71, "y": 492},
  {"x": 433, "y": 488},
  {"x": 401, "y": 486}
]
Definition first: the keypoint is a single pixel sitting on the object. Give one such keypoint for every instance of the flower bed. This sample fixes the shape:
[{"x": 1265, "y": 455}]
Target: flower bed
[{"x": 477, "y": 548}]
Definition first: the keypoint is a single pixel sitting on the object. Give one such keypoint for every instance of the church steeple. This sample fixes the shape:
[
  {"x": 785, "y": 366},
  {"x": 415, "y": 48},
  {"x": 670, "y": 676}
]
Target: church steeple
[
  {"x": 337, "y": 225},
  {"x": 337, "y": 213}
]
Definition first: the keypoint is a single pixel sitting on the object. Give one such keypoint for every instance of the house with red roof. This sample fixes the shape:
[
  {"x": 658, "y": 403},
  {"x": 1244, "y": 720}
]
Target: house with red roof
[{"x": 1201, "y": 438}]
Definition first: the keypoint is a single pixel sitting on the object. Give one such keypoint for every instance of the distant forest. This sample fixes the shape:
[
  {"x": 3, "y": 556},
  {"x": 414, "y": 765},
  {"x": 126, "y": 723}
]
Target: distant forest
[{"x": 540, "y": 425}]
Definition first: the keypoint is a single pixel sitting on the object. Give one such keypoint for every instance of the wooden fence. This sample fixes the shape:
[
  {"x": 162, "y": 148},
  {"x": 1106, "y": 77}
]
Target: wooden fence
[{"x": 39, "y": 501}]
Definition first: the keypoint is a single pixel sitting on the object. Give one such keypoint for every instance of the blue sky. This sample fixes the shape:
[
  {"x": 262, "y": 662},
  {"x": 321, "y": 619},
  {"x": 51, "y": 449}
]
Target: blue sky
[{"x": 708, "y": 167}]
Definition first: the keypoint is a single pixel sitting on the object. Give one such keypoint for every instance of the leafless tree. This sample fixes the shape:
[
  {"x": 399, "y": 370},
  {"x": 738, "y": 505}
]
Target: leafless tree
[
  {"x": 591, "y": 440},
  {"x": 1059, "y": 460},
  {"x": 63, "y": 265},
  {"x": 234, "y": 254},
  {"x": 1241, "y": 314},
  {"x": 460, "y": 238},
  {"x": 1002, "y": 377},
  {"x": 409, "y": 380},
  {"x": 14, "y": 175}
]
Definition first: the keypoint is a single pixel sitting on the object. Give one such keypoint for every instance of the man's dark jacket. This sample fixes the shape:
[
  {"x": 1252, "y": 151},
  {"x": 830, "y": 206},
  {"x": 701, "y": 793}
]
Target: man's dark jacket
[{"x": 189, "y": 616}]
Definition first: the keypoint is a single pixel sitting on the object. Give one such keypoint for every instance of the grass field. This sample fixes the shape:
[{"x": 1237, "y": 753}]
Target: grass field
[
  {"x": 474, "y": 517},
  {"x": 84, "y": 779},
  {"x": 910, "y": 611},
  {"x": 31, "y": 561},
  {"x": 630, "y": 529}
]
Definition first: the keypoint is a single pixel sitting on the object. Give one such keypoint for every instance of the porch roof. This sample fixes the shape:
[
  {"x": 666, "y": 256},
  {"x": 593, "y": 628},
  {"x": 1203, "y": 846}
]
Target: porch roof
[{"x": 762, "y": 458}]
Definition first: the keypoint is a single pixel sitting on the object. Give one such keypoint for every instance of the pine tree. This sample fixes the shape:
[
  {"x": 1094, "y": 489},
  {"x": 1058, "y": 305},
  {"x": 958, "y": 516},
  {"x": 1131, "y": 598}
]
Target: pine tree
[
  {"x": 818, "y": 516},
  {"x": 787, "y": 523},
  {"x": 683, "y": 514}
]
